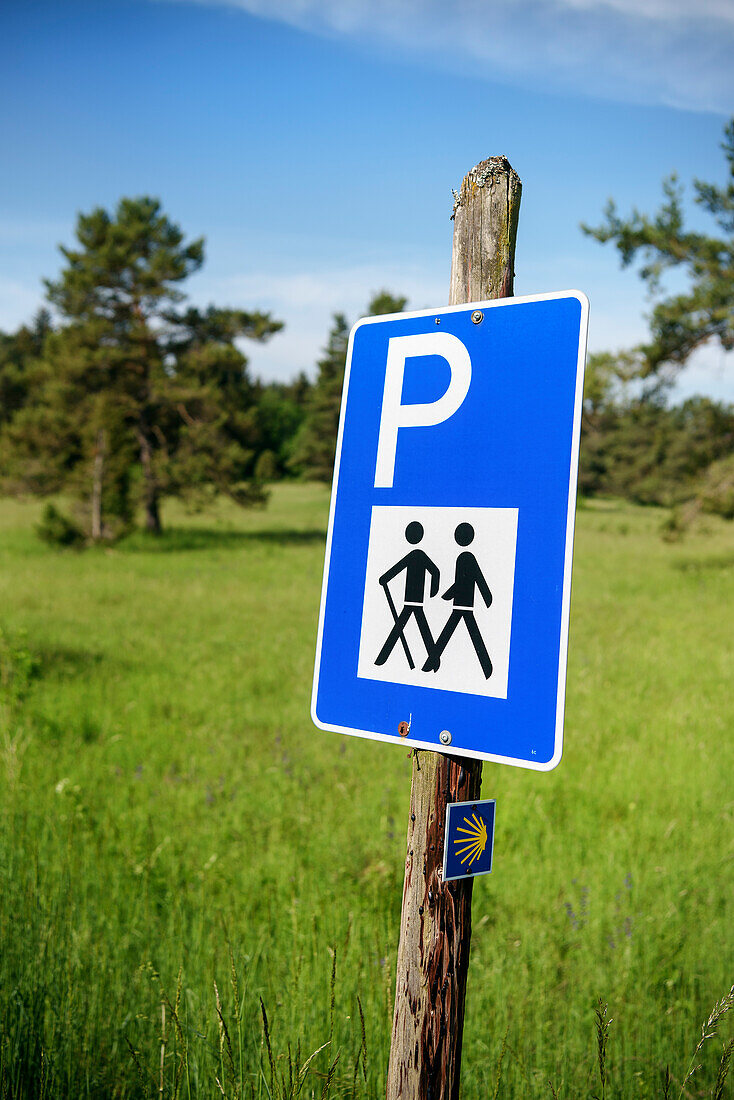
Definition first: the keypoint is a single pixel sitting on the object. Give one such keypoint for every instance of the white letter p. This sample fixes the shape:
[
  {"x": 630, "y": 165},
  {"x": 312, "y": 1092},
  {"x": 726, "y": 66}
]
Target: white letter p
[{"x": 395, "y": 415}]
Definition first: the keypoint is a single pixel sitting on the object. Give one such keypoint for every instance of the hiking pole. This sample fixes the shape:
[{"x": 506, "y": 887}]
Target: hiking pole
[{"x": 394, "y": 613}]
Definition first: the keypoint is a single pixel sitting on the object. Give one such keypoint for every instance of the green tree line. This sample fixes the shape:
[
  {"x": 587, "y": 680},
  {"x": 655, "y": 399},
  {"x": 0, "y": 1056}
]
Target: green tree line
[{"x": 125, "y": 394}]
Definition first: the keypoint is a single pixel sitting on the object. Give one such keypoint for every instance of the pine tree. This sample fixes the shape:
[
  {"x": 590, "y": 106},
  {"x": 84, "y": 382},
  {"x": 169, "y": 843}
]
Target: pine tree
[
  {"x": 70, "y": 433},
  {"x": 316, "y": 442},
  {"x": 17, "y": 350},
  {"x": 315, "y": 446},
  {"x": 281, "y": 408},
  {"x": 681, "y": 323},
  {"x": 132, "y": 391}
]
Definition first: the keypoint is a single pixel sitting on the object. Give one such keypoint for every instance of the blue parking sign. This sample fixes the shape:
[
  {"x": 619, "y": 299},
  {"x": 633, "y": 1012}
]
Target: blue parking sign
[{"x": 445, "y": 602}]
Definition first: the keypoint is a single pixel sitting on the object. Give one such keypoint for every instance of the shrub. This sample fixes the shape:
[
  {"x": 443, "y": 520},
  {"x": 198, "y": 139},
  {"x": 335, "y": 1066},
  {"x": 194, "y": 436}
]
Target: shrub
[{"x": 56, "y": 529}]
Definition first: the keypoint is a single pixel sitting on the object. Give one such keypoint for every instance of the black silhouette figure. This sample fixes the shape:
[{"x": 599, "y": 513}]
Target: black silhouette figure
[
  {"x": 467, "y": 578},
  {"x": 417, "y": 565}
]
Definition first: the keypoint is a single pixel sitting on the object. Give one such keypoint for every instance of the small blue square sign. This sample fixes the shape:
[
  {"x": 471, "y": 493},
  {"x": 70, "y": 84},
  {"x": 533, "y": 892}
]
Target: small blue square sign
[{"x": 469, "y": 839}]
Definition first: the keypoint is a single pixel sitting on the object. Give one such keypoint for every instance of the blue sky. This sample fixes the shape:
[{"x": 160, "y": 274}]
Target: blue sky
[{"x": 314, "y": 143}]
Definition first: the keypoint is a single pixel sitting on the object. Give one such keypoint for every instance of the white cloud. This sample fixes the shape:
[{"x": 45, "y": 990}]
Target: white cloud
[
  {"x": 306, "y": 300},
  {"x": 18, "y": 303},
  {"x": 709, "y": 371},
  {"x": 668, "y": 52},
  {"x": 664, "y": 10}
]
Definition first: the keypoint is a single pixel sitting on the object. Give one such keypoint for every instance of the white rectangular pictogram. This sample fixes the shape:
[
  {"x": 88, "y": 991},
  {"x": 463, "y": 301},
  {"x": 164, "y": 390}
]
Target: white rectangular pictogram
[{"x": 437, "y": 607}]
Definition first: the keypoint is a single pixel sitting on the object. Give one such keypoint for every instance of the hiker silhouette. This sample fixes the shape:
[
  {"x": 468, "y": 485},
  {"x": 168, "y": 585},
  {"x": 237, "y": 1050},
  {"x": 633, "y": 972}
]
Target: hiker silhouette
[
  {"x": 468, "y": 578},
  {"x": 417, "y": 566}
]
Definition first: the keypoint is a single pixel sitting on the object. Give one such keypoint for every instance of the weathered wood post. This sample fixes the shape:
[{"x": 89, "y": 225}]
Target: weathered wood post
[{"x": 435, "y": 931}]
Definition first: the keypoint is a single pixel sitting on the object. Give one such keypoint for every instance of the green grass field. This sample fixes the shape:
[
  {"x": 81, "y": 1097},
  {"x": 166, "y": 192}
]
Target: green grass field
[{"x": 169, "y": 814}]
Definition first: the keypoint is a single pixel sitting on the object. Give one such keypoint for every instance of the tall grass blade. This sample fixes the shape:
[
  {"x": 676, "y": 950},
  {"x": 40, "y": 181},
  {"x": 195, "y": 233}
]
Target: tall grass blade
[
  {"x": 332, "y": 993},
  {"x": 709, "y": 1029},
  {"x": 667, "y": 1084},
  {"x": 364, "y": 1041},
  {"x": 269, "y": 1048},
  {"x": 721, "y": 1076},
  {"x": 225, "y": 1043},
  {"x": 145, "y": 1084},
  {"x": 237, "y": 1010},
  {"x": 503, "y": 1051},
  {"x": 602, "y": 1041},
  {"x": 329, "y": 1077}
]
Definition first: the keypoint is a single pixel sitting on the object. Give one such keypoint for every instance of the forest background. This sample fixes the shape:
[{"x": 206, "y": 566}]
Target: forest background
[{"x": 123, "y": 396}]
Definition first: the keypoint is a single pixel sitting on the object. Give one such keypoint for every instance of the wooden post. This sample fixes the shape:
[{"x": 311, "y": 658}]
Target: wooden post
[{"x": 435, "y": 930}]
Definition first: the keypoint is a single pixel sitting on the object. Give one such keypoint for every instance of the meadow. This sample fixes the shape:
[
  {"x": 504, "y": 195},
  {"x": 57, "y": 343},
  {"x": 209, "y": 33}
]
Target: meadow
[{"x": 180, "y": 848}]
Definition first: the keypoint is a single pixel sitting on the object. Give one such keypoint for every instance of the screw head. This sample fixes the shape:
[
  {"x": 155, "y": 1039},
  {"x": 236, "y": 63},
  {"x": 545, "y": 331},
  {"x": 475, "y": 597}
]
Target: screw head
[
  {"x": 403, "y": 729},
  {"x": 444, "y": 737},
  {"x": 477, "y": 316},
  {"x": 438, "y": 320}
]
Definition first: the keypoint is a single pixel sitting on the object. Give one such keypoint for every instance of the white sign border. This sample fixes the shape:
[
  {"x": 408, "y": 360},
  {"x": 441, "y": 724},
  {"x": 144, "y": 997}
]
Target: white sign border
[{"x": 570, "y": 532}]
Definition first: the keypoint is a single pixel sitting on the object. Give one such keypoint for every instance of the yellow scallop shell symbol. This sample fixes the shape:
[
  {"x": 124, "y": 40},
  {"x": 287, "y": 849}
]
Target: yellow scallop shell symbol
[{"x": 474, "y": 840}]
